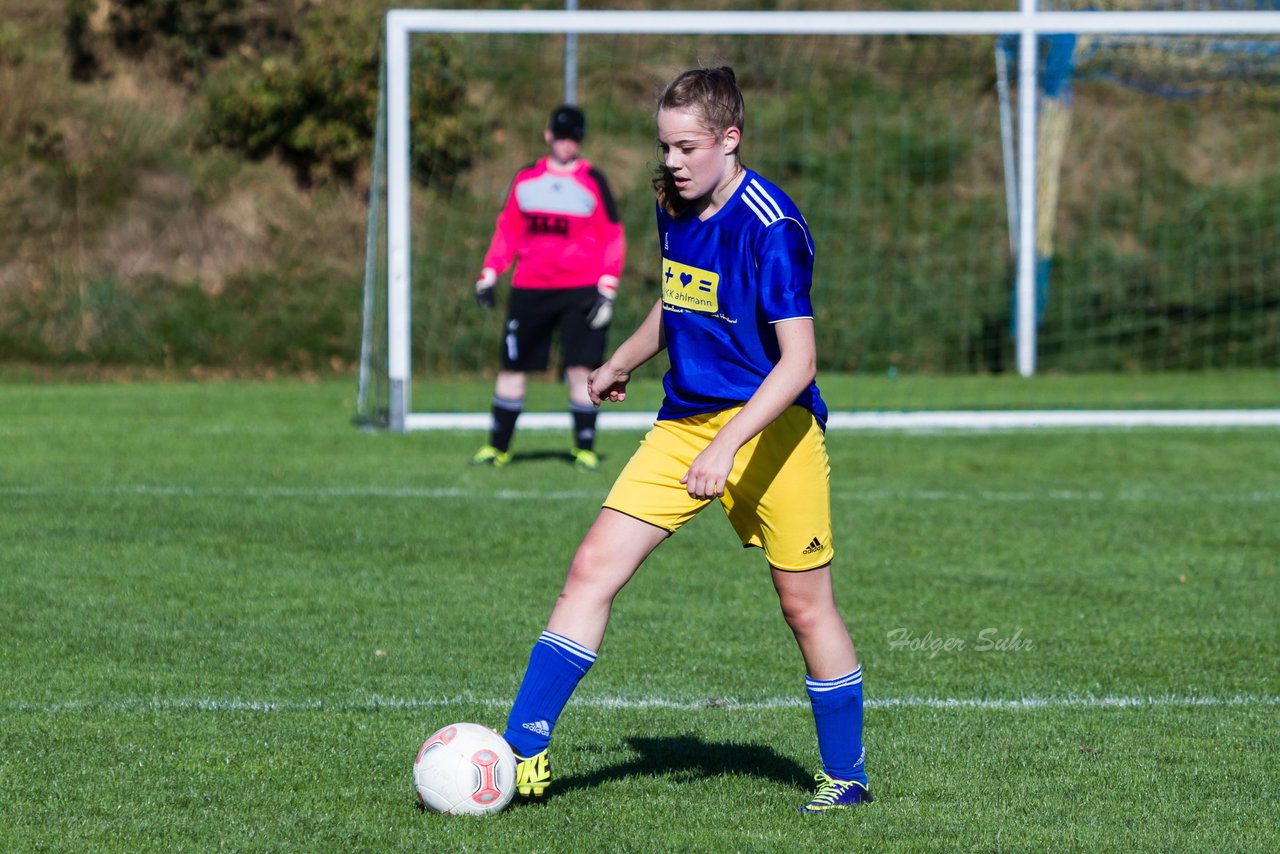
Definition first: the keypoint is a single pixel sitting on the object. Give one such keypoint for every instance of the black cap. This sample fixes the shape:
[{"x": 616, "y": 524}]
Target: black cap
[{"x": 568, "y": 122}]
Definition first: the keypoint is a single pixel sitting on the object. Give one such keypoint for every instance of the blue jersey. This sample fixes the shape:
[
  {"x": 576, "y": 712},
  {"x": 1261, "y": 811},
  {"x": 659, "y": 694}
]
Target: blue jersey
[{"x": 725, "y": 282}]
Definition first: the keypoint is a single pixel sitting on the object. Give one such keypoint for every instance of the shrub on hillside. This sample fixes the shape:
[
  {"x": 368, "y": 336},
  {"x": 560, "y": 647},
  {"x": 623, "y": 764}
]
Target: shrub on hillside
[
  {"x": 186, "y": 38},
  {"x": 189, "y": 34},
  {"x": 316, "y": 106}
]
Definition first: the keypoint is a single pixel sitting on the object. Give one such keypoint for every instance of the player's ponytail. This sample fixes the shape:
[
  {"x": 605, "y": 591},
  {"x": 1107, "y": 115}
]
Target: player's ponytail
[{"x": 714, "y": 94}]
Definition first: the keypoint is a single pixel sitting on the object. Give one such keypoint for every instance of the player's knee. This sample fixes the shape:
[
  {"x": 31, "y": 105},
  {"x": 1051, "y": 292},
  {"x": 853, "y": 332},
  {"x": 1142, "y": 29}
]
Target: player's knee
[
  {"x": 804, "y": 614},
  {"x": 592, "y": 567},
  {"x": 802, "y": 621}
]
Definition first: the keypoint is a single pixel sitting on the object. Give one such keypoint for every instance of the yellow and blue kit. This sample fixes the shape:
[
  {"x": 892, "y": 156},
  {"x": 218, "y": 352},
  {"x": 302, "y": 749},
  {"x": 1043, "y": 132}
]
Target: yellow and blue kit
[{"x": 725, "y": 281}]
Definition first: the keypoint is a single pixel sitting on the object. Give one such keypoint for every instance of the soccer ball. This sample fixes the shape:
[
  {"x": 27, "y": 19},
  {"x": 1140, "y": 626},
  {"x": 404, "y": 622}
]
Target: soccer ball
[{"x": 465, "y": 769}]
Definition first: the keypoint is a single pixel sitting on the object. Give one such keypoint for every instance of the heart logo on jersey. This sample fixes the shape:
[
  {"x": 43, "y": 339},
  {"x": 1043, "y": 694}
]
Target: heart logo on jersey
[{"x": 685, "y": 279}]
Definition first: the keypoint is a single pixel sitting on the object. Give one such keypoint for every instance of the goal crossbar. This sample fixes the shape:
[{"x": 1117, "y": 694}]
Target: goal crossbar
[
  {"x": 405, "y": 21},
  {"x": 1028, "y": 23}
]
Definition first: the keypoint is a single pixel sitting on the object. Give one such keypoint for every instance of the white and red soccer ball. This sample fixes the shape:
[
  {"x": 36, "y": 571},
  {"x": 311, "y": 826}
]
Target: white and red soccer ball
[{"x": 465, "y": 769}]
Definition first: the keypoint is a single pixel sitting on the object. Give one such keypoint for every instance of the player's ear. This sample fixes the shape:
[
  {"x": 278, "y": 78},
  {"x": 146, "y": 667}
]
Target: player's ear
[
  {"x": 546, "y": 134},
  {"x": 730, "y": 140}
]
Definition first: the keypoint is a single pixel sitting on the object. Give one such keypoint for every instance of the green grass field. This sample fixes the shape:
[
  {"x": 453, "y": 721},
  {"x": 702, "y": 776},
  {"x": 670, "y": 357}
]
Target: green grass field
[{"x": 229, "y": 620}]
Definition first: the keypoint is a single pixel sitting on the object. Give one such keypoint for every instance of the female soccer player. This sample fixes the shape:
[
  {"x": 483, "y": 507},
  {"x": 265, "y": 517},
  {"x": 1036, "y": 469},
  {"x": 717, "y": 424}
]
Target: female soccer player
[{"x": 742, "y": 422}]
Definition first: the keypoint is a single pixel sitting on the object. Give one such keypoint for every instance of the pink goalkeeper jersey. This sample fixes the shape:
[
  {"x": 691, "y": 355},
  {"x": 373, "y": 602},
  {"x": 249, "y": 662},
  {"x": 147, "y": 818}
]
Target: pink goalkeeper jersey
[{"x": 560, "y": 228}]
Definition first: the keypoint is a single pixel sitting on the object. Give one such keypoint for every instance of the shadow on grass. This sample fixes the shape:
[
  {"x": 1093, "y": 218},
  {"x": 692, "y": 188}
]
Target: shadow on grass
[
  {"x": 536, "y": 456},
  {"x": 690, "y": 758}
]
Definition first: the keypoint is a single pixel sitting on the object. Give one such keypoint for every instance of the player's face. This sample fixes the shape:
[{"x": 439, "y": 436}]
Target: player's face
[
  {"x": 700, "y": 162},
  {"x": 563, "y": 151}
]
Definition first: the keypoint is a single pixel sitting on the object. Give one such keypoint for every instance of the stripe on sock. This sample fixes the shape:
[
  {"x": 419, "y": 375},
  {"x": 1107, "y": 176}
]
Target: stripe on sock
[
  {"x": 571, "y": 650},
  {"x": 821, "y": 686}
]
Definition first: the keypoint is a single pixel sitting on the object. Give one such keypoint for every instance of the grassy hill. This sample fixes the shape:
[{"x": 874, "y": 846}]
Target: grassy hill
[
  {"x": 126, "y": 240},
  {"x": 128, "y": 237}
]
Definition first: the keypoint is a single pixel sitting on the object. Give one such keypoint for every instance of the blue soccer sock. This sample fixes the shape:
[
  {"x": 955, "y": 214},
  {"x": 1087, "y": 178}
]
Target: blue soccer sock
[
  {"x": 837, "y": 711},
  {"x": 556, "y": 666}
]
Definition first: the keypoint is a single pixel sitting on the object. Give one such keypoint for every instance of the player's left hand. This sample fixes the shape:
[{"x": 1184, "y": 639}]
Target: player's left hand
[
  {"x": 709, "y": 473},
  {"x": 484, "y": 289},
  {"x": 602, "y": 312}
]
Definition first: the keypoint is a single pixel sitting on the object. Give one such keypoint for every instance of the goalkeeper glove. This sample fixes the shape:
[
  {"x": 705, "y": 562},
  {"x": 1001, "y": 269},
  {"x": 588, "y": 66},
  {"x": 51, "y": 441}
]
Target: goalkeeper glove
[
  {"x": 602, "y": 312},
  {"x": 484, "y": 289}
]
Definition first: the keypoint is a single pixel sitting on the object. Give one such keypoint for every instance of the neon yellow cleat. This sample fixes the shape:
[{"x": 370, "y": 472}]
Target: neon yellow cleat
[
  {"x": 836, "y": 794},
  {"x": 584, "y": 460},
  {"x": 533, "y": 775},
  {"x": 491, "y": 456}
]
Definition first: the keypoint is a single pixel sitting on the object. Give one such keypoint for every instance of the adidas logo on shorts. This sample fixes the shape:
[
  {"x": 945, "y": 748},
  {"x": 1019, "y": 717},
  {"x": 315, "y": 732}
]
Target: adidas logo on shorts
[{"x": 814, "y": 547}]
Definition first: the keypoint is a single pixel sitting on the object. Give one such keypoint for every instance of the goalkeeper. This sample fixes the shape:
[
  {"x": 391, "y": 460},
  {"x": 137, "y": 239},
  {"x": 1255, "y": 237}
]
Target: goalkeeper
[{"x": 560, "y": 227}]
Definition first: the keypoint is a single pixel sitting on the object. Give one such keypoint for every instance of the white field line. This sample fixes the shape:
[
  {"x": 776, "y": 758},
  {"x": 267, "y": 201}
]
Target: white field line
[
  {"x": 377, "y": 703},
  {"x": 427, "y": 492},
  {"x": 909, "y": 423}
]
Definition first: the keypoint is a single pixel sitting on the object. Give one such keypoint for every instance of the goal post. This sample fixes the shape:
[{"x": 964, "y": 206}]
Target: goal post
[{"x": 1028, "y": 25}]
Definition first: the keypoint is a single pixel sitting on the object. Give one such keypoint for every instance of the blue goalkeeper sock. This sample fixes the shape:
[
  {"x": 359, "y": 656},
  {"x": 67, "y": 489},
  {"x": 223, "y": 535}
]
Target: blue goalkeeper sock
[
  {"x": 556, "y": 666},
  {"x": 837, "y": 711}
]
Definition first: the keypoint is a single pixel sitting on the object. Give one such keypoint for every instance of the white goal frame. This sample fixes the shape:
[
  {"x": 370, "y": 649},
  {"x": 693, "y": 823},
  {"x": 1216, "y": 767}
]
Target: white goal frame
[{"x": 1028, "y": 23}]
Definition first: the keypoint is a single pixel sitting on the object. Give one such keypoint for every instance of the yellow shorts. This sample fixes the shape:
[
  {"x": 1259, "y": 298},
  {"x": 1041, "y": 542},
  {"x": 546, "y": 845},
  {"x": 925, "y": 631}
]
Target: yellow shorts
[{"x": 778, "y": 496}]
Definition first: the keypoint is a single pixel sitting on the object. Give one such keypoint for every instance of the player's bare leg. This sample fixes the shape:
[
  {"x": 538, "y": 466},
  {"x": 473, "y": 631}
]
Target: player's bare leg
[
  {"x": 575, "y": 377},
  {"x": 834, "y": 684},
  {"x": 809, "y": 606},
  {"x": 609, "y": 555},
  {"x": 510, "y": 384}
]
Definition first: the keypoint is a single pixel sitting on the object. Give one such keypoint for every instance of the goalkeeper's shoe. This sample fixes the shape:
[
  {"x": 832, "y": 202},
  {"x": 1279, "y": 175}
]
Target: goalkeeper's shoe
[
  {"x": 533, "y": 775},
  {"x": 585, "y": 460},
  {"x": 836, "y": 794},
  {"x": 491, "y": 456}
]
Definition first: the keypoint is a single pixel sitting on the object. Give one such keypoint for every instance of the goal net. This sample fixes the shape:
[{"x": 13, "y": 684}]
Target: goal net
[
  {"x": 1156, "y": 213},
  {"x": 1154, "y": 209}
]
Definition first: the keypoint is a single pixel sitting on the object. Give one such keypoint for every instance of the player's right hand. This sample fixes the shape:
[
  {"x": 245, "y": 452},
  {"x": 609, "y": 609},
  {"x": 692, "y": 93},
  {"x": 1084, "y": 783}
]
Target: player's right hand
[
  {"x": 484, "y": 289},
  {"x": 607, "y": 383}
]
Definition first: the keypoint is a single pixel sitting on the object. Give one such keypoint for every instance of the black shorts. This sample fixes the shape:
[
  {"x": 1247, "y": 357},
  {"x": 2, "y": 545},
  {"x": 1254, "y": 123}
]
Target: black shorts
[{"x": 532, "y": 317}]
